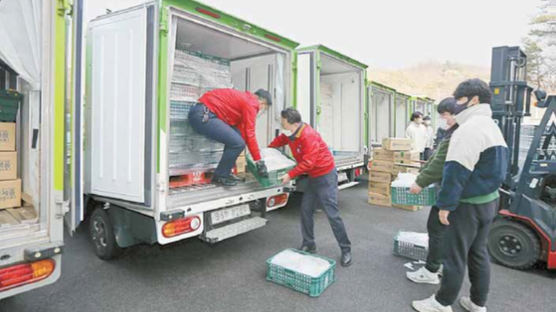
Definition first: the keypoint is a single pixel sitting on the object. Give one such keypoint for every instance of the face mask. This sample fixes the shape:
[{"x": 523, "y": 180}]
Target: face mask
[
  {"x": 443, "y": 124},
  {"x": 460, "y": 108},
  {"x": 427, "y": 123}
]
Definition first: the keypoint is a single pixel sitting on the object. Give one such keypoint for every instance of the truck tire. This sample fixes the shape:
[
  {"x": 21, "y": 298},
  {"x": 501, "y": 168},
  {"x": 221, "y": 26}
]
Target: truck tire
[
  {"x": 101, "y": 234},
  {"x": 513, "y": 244}
]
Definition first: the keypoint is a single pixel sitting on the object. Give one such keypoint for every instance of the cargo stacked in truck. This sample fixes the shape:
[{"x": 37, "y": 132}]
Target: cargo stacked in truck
[
  {"x": 11, "y": 211},
  {"x": 193, "y": 156},
  {"x": 387, "y": 162}
]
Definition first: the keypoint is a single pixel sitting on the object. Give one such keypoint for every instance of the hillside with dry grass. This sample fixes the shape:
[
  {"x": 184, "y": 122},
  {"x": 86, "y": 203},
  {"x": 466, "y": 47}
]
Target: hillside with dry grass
[{"x": 432, "y": 79}]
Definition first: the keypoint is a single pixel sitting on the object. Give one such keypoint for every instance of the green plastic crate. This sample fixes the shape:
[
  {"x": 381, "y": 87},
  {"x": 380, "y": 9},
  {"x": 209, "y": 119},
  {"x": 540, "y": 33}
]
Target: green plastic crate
[
  {"x": 273, "y": 178},
  {"x": 402, "y": 196},
  {"x": 312, "y": 286},
  {"x": 9, "y": 104},
  {"x": 409, "y": 250}
]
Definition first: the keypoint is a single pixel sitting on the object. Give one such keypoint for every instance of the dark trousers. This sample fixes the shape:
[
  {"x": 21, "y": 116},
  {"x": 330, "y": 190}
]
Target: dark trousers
[
  {"x": 218, "y": 130},
  {"x": 465, "y": 243},
  {"x": 436, "y": 234},
  {"x": 323, "y": 191}
]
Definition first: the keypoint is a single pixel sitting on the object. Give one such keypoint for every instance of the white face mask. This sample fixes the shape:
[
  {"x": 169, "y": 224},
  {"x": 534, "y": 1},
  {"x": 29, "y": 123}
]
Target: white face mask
[
  {"x": 443, "y": 124},
  {"x": 287, "y": 132}
]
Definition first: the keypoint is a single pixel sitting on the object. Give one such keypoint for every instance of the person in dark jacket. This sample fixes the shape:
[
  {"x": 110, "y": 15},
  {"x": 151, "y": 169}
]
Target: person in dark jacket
[
  {"x": 431, "y": 173},
  {"x": 315, "y": 159},
  {"x": 475, "y": 167},
  {"x": 228, "y": 116}
]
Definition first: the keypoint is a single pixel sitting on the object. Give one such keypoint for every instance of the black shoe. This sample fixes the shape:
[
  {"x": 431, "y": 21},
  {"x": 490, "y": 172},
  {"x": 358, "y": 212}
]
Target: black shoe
[
  {"x": 224, "y": 181},
  {"x": 308, "y": 249},
  {"x": 235, "y": 178},
  {"x": 346, "y": 259}
]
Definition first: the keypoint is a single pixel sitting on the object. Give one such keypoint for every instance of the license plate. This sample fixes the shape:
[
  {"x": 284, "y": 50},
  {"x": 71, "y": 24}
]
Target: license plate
[
  {"x": 342, "y": 176},
  {"x": 229, "y": 214}
]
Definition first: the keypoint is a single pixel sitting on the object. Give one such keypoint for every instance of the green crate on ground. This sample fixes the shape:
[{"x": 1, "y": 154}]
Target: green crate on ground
[
  {"x": 273, "y": 178},
  {"x": 312, "y": 286},
  {"x": 9, "y": 104},
  {"x": 402, "y": 196}
]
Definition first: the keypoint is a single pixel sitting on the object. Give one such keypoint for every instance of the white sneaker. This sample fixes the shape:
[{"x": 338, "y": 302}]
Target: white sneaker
[
  {"x": 423, "y": 276},
  {"x": 468, "y": 305},
  {"x": 430, "y": 305}
]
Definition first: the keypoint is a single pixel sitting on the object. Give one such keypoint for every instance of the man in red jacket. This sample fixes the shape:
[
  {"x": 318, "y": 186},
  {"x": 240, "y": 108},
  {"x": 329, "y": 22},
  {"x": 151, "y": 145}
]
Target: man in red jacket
[
  {"x": 228, "y": 116},
  {"x": 313, "y": 158}
]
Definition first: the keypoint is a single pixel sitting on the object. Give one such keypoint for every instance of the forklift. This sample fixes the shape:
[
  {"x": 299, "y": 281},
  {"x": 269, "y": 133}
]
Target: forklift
[{"x": 524, "y": 232}]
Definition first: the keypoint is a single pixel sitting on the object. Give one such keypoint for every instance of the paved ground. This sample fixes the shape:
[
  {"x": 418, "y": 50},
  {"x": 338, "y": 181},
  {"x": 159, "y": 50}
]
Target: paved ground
[{"x": 230, "y": 276}]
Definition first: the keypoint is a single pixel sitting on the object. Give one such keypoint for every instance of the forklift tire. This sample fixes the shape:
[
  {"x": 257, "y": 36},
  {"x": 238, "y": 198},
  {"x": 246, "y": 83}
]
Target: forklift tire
[
  {"x": 102, "y": 236},
  {"x": 513, "y": 244}
]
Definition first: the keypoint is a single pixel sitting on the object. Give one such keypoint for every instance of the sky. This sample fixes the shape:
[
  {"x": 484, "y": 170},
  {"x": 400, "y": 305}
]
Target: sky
[{"x": 386, "y": 34}]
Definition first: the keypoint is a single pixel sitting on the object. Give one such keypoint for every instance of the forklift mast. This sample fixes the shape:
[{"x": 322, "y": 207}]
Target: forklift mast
[{"x": 510, "y": 102}]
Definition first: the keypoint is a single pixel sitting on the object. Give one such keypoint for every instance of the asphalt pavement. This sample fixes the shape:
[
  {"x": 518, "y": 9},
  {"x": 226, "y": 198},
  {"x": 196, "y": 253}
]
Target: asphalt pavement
[{"x": 230, "y": 276}]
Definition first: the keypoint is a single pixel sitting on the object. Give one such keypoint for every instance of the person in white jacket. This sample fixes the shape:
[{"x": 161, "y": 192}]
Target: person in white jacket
[
  {"x": 417, "y": 132},
  {"x": 430, "y": 137}
]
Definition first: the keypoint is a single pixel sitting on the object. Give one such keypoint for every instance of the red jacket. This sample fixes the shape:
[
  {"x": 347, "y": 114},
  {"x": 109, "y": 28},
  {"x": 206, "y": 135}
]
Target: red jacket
[
  {"x": 309, "y": 150},
  {"x": 238, "y": 109}
]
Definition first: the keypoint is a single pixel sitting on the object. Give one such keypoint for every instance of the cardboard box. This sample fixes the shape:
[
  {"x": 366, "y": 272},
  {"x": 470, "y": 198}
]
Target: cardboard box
[
  {"x": 8, "y": 165},
  {"x": 396, "y": 144},
  {"x": 407, "y": 155},
  {"x": 10, "y": 194},
  {"x": 396, "y": 156},
  {"x": 380, "y": 177},
  {"x": 7, "y": 136},
  {"x": 380, "y": 200},
  {"x": 409, "y": 208},
  {"x": 381, "y": 165},
  {"x": 380, "y": 188}
]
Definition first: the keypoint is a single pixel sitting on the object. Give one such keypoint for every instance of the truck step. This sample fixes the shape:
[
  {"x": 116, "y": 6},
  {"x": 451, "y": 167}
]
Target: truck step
[
  {"x": 346, "y": 185},
  {"x": 234, "y": 229}
]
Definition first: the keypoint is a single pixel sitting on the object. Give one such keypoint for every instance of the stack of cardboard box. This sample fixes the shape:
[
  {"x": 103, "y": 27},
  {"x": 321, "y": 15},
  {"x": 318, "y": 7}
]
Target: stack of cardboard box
[
  {"x": 394, "y": 157},
  {"x": 10, "y": 185}
]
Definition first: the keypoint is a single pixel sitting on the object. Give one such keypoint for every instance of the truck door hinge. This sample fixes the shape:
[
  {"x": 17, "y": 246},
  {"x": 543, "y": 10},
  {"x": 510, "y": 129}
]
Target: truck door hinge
[
  {"x": 164, "y": 21},
  {"x": 62, "y": 207},
  {"x": 64, "y": 7}
]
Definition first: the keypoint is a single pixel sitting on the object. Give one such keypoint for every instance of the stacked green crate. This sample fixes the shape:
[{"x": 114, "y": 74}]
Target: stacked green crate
[{"x": 9, "y": 104}]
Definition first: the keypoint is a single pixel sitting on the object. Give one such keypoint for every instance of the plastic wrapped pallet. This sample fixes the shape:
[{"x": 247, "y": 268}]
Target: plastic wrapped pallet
[{"x": 193, "y": 74}]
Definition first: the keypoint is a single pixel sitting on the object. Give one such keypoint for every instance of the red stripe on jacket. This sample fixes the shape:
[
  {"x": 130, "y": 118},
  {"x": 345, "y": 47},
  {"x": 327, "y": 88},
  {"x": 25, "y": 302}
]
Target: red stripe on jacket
[
  {"x": 238, "y": 109},
  {"x": 309, "y": 150}
]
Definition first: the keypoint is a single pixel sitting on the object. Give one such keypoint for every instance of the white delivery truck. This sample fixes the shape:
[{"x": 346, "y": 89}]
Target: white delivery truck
[
  {"x": 35, "y": 60},
  {"x": 144, "y": 169},
  {"x": 381, "y": 113},
  {"x": 331, "y": 97}
]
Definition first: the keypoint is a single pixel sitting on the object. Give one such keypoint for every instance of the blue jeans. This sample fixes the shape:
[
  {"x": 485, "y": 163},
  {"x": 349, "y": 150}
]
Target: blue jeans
[
  {"x": 323, "y": 190},
  {"x": 218, "y": 130}
]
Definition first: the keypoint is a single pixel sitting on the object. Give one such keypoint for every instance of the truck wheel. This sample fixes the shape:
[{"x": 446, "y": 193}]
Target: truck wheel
[
  {"x": 102, "y": 235},
  {"x": 513, "y": 244}
]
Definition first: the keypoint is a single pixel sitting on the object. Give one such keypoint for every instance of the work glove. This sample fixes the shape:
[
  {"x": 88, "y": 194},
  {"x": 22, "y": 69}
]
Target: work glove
[{"x": 261, "y": 169}]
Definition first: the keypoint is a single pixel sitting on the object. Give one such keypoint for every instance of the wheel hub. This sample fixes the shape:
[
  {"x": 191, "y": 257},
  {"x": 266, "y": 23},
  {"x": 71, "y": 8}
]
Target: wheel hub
[
  {"x": 99, "y": 233},
  {"x": 510, "y": 245}
]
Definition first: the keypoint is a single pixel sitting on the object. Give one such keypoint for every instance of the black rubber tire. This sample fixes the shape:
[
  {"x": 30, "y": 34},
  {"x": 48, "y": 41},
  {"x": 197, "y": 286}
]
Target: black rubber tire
[
  {"x": 101, "y": 234},
  {"x": 513, "y": 244}
]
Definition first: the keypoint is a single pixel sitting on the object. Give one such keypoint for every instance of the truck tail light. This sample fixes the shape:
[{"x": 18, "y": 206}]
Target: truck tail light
[
  {"x": 277, "y": 200},
  {"x": 181, "y": 226},
  {"x": 207, "y": 12},
  {"x": 273, "y": 38},
  {"x": 21, "y": 274},
  {"x": 358, "y": 172}
]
